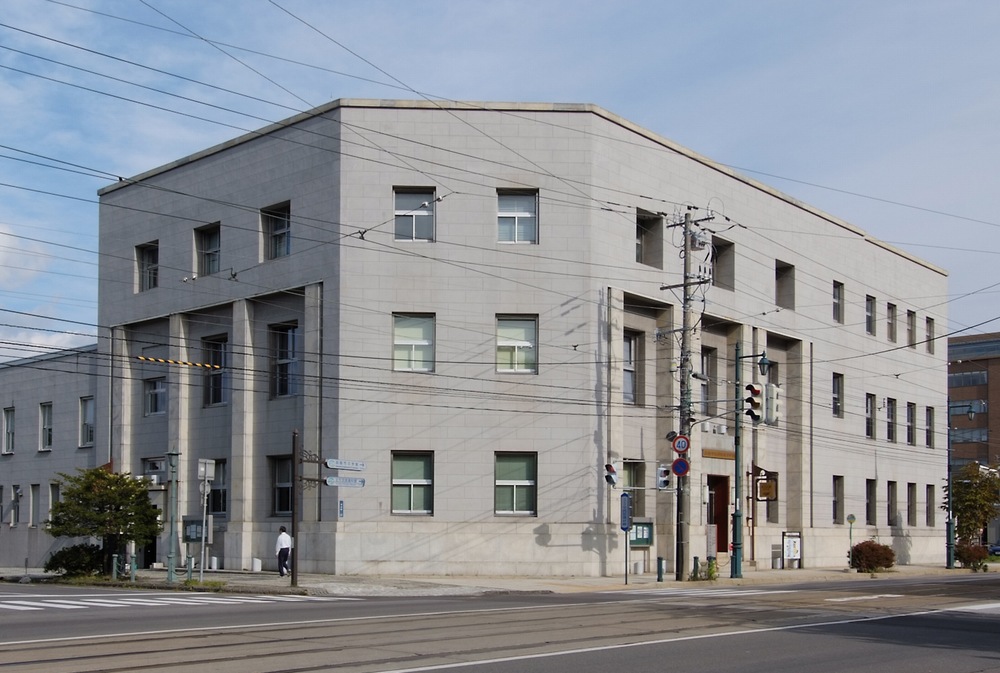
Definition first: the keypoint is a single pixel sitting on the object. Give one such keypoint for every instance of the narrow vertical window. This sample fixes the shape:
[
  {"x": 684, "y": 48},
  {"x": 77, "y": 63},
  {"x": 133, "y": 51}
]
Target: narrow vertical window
[
  {"x": 890, "y": 419},
  {"x": 911, "y": 329},
  {"x": 54, "y": 497},
  {"x": 412, "y": 483},
  {"x": 784, "y": 284},
  {"x": 155, "y": 394},
  {"x": 648, "y": 238},
  {"x": 929, "y": 334},
  {"x": 517, "y": 217},
  {"x": 871, "y": 502},
  {"x": 838, "y": 499},
  {"x": 517, "y": 338},
  {"x": 723, "y": 264},
  {"x": 215, "y": 351},
  {"x": 8, "y": 430},
  {"x": 630, "y": 354},
  {"x": 930, "y": 507},
  {"x": 838, "y": 395},
  {"x": 911, "y": 423},
  {"x": 414, "y": 212},
  {"x": 45, "y": 426},
  {"x": 515, "y": 484},
  {"x": 281, "y": 485},
  {"x": 276, "y": 223},
  {"x": 284, "y": 360},
  {"x": 838, "y": 302},
  {"x": 870, "y": 317},
  {"x": 892, "y": 504},
  {"x": 929, "y": 427},
  {"x": 412, "y": 342},
  {"x": 217, "y": 496},
  {"x": 15, "y": 505},
  {"x": 148, "y": 265},
  {"x": 869, "y": 416},
  {"x": 34, "y": 505},
  {"x": 890, "y": 322},
  {"x": 208, "y": 243},
  {"x": 911, "y": 505},
  {"x": 86, "y": 421}
]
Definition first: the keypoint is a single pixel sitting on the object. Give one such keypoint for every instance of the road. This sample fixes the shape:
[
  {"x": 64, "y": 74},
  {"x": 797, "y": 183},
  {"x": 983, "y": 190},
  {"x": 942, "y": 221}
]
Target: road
[{"x": 924, "y": 624}]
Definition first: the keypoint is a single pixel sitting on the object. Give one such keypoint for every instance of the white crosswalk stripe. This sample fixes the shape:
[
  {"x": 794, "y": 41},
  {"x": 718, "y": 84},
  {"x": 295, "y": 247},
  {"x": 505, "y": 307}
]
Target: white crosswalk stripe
[
  {"x": 40, "y": 603},
  {"x": 670, "y": 592}
]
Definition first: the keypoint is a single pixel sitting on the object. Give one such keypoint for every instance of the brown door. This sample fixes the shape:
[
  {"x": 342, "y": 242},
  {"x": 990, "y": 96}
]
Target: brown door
[{"x": 718, "y": 510}]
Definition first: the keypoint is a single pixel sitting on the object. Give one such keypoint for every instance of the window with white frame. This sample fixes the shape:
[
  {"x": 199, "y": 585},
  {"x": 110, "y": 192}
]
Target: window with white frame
[
  {"x": 708, "y": 377},
  {"x": 517, "y": 216},
  {"x": 155, "y": 394},
  {"x": 634, "y": 483},
  {"x": 217, "y": 496},
  {"x": 284, "y": 359},
  {"x": 890, "y": 419},
  {"x": 414, "y": 212},
  {"x": 838, "y": 301},
  {"x": 630, "y": 381},
  {"x": 208, "y": 243},
  {"x": 147, "y": 258},
  {"x": 870, "y": 407},
  {"x": 8, "y": 430},
  {"x": 34, "y": 505},
  {"x": 838, "y": 395},
  {"x": 15, "y": 504},
  {"x": 276, "y": 223},
  {"x": 870, "y": 317},
  {"x": 413, "y": 342},
  {"x": 215, "y": 354},
  {"x": 45, "y": 426},
  {"x": 890, "y": 321},
  {"x": 412, "y": 482},
  {"x": 517, "y": 339},
  {"x": 515, "y": 486},
  {"x": 911, "y": 423},
  {"x": 929, "y": 334},
  {"x": 911, "y": 329},
  {"x": 281, "y": 485},
  {"x": 54, "y": 497},
  {"x": 929, "y": 427},
  {"x": 87, "y": 421},
  {"x": 838, "y": 498}
]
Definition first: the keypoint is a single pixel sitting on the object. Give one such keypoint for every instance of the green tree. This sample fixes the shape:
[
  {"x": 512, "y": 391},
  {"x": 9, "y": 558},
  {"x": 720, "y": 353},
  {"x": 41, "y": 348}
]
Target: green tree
[
  {"x": 977, "y": 497},
  {"x": 112, "y": 507}
]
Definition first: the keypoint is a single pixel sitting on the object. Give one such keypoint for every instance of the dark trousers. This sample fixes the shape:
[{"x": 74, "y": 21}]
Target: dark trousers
[{"x": 283, "y": 561}]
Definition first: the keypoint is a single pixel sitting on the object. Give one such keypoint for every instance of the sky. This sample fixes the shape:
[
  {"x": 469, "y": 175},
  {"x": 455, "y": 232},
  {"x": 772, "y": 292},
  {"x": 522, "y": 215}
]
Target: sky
[{"x": 885, "y": 114}]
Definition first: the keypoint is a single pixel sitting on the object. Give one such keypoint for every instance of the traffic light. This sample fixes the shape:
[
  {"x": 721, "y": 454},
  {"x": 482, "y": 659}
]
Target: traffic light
[
  {"x": 755, "y": 402},
  {"x": 662, "y": 477},
  {"x": 610, "y": 474},
  {"x": 772, "y": 404}
]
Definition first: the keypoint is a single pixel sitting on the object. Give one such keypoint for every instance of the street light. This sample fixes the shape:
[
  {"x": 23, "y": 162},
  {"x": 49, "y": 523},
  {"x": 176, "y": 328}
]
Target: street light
[
  {"x": 736, "y": 563},
  {"x": 950, "y": 523}
]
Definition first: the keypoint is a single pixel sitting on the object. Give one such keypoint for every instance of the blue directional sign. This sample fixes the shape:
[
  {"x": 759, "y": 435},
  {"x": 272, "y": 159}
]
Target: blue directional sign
[{"x": 626, "y": 512}]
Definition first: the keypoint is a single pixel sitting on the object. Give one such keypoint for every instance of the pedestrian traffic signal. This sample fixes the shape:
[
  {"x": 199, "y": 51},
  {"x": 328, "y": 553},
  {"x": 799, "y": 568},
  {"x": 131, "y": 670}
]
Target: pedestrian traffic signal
[
  {"x": 610, "y": 474},
  {"x": 662, "y": 477},
  {"x": 755, "y": 402}
]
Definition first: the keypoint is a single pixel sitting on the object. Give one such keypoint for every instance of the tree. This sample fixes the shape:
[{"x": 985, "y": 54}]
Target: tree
[
  {"x": 977, "y": 496},
  {"x": 112, "y": 507}
]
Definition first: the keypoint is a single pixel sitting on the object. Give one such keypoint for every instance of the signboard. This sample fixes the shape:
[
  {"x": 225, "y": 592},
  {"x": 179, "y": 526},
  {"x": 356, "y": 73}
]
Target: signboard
[
  {"x": 765, "y": 485},
  {"x": 680, "y": 467},
  {"x": 352, "y": 465},
  {"x": 641, "y": 534},
  {"x": 348, "y": 482},
  {"x": 681, "y": 443},
  {"x": 626, "y": 512}
]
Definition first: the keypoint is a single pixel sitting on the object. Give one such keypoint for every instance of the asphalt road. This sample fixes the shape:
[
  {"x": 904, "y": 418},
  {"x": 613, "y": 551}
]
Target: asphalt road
[{"x": 925, "y": 624}]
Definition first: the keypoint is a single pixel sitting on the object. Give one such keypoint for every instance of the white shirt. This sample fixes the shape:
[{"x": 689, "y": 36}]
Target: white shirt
[{"x": 284, "y": 540}]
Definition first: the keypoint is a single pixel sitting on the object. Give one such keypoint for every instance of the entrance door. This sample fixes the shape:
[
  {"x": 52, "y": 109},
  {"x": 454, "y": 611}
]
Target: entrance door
[{"x": 718, "y": 510}]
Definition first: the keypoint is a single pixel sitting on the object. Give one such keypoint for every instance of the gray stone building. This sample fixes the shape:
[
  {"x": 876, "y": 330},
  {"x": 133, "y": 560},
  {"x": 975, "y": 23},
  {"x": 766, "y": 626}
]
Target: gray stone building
[{"x": 478, "y": 305}]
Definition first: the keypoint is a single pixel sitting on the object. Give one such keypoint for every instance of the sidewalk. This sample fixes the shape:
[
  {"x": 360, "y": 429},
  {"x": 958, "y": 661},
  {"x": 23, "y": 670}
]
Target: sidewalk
[{"x": 355, "y": 585}]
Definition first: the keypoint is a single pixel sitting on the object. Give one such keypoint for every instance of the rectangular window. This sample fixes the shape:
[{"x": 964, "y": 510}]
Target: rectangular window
[
  {"x": 838, "y": 301},
  {"x": 723, "y": 264},
  {"x": 276, "y": 224},
  {"x": 892, "y": 504},
  {"x": 45, "y": 426},
  {"x": 284, "y": 360},
  {"x": 281, "y": 485},
  {"x": 911, "y": 423},
  {"x": 147, "y": 258},
  {"x": 963, "y": 407},
  {"x": 911, "y": 505},
  {"x": 870, "y": 416},
  {"x": 871, "y": 502},
  {"x": 87, "y": 421},
  {"x": 890, "y": 419},
  {"x": 648, "y": 239},
  {"x": 8, "y": 430},
  {"x": 930, "y": 508},
  {"x": 634, "y": 483},
  {"x": 911, "y": 329},
  {"x": 838, "y": 499},
  {"x": 870, "y": 317},
  {"x": 517, "y": 217},
  {"x": 630, "y": 354},
  {"x": 929, "y": 334},
  {"x": 215, "y": 357},
  {"x": 709, "y": 365},
  {"x": 784, "y": 284},
  {"x": 155, "y": 393},
  {"x": 517, "y": 338},
  {"x": 838, "y": 395},
  {"x": 890, "y": 322},
  {"x": 34, "y": 505},
  {"x": 966, "y": 379},
  {"x": 15, "y": 505},
  {"x": 929, "y": 427},
  {"x": 413, "y": 342},
  {"x": 412, "y": 483},
  {"x": 217, "y": 496},
  {"x": 208, "y": 244},
  {"x": 970, "y": 435},
  {"x": 515, "y": 485},
  {"x": 54, "y": 497},
  {"x": 414, "y": 215}
]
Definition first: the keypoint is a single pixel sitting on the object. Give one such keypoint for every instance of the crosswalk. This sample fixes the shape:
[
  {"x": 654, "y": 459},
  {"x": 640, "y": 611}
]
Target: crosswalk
[
  {"x": 674, "y": 592},
  {"x": 23, "y": 603}
]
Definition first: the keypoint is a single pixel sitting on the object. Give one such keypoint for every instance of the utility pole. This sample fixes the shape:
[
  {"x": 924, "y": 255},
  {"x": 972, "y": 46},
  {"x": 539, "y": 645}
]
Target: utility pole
[{"x": 683, "y": 492}]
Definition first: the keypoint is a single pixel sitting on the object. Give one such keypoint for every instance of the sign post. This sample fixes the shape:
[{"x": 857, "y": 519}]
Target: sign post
[{"x": 626, "y": 525}]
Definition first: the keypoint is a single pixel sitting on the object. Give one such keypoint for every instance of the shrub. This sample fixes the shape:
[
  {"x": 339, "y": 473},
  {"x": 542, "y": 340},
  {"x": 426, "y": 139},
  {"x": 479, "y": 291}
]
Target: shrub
[
  {"x": 870, "y": 556},
  {"x": 971, "y": 555},
  {"x": 75, "y": 561}
]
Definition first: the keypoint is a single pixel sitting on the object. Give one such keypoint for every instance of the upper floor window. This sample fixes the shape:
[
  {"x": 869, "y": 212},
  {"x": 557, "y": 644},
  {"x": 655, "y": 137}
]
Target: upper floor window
[
  {"x": 86, "y": 421},
  {"x": 929, "y": 427},
  {"x": 414, "y": 214},
  {"x": 977, "y": 377},
  {"x": 890, "y": 419},
  {"x": 630, "y": 353},
  {"x": 649, "y": 239},
  {"x": 723, "y": 264},
  {"x": 870, "y": 407},
  {"x": 276, "y": 222},
  {"x": 8, "y": 430},
  {"x": 208, "y": 243},
  {"x": 517, "y": 217},
  {"x": 911, "y": 329},
  {"x": 284, "y": 359},
  {"x": 216, "y": 358},
  {"x": 911, "y": 423},
  {"x": 784, "y": 284},
  {"x": 517, "y": 338},
  {"x": 148, "y": 265},
  {"x": 890, "y": 321},
  {"x": 838, "y": 395},
  {"x": 217, "y": 496},
  {"x": 838, "y": 301},
  {"x": 155, "y": 394},
  {"x": 45, "y": 426},
  {"x": 870, "y": 318},
  {"x": 929, "y": 334},
  {"x": 413, "y": 342}
]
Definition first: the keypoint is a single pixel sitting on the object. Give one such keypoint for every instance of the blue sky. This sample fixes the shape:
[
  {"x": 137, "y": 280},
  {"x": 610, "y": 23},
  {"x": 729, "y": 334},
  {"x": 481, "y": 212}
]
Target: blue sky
[{"x": 883, "y": 113}]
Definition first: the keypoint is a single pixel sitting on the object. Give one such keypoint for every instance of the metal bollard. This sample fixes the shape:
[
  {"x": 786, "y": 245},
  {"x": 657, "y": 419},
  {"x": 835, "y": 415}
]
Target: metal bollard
[
  {"x": 660, "y": 564},
  {"x": 190, "y": 566},
  {"x": 132, "y": 567},
  {"x": 697, "y": 568},
  {"x": 114, "y": 566}
]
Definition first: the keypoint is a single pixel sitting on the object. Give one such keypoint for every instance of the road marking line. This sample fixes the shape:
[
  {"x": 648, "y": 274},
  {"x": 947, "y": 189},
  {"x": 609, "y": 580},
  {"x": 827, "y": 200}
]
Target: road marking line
[{"x": 872, "y": 597}]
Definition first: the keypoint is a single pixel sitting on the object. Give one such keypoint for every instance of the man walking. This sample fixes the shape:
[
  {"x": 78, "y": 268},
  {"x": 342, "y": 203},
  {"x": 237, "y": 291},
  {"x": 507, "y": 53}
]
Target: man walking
[{"x": 281, "y": 548}]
